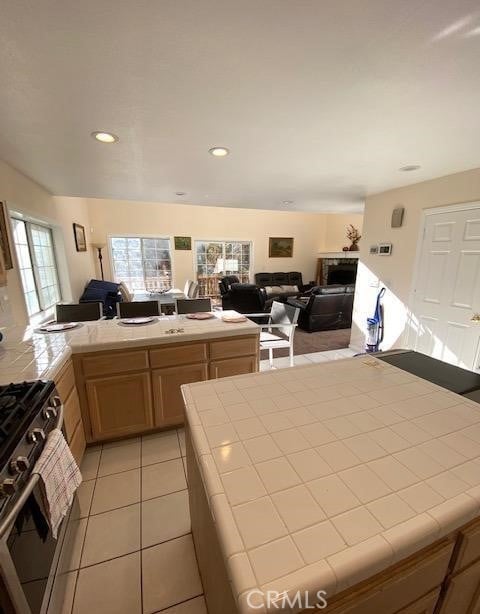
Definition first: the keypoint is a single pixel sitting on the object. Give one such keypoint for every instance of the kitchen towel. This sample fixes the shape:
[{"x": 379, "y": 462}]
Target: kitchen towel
[{"x": 59, "y": 479}]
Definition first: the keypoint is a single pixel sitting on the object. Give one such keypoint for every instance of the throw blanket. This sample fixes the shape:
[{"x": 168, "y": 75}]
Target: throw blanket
[{"x": 59, "y": 479}]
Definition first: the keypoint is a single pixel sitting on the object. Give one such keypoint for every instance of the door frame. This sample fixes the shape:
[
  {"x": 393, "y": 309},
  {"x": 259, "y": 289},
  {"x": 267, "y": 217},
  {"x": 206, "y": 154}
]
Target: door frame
[{"x": 425, "y": 214}]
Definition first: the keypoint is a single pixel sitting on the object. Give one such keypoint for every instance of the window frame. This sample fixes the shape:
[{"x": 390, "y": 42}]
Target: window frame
[
  {"x": 28, "y": 223},
  {"x": 120, "y": 235},
  {"x": 224, "y": 242}
]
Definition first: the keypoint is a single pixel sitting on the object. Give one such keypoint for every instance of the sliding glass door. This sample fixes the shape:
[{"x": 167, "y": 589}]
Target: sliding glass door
[{"x": 215, "y": 259}]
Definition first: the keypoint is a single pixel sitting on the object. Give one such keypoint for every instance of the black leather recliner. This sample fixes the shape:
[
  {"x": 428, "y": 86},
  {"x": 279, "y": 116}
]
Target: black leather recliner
[
  {"x": 246, "y": 298},
  {"x": 225, "y": 283},
  {"x": 327, "y": 308}
]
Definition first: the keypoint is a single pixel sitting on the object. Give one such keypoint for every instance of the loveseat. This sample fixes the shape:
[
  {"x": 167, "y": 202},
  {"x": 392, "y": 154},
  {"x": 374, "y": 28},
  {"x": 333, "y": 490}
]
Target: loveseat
[
  {"x": 281, "y": 285},
  {"x": 325, "y": 308}
]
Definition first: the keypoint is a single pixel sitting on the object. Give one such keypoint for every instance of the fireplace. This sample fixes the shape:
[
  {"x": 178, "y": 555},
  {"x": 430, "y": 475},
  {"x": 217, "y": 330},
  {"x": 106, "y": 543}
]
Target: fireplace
[
  {"x": 341, "y": 274},
  {"x": 336, "y": 268}
]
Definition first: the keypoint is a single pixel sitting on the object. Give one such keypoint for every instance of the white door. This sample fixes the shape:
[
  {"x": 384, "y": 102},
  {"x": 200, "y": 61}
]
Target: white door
[{"x": 447, "y": 293}]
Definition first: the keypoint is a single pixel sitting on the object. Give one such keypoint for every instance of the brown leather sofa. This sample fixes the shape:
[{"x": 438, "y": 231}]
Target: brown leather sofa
[{"x": 325, "y": 308}]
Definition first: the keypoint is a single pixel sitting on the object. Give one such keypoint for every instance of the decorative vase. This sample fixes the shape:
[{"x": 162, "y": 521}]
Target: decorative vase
[
  {"x": 345, "y": 249},
  {"x": 353, "y": 247}
]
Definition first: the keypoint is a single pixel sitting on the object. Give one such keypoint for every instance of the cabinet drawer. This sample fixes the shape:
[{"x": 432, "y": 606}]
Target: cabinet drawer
[
  {"x": 123, "y": 362},
  {"x": 65, "y": 381},
  {"x": 400, "y": 587},
  {"x": 463, "y": 593},
  {"x": 77, "y": 445},
  {"x": 233, "y": 366},
  {"x": 469, "y": 547},
  {"x": 180, "y": 355},
  {"x": 231, "y": 348},
  {"x": 71, "y": 414}
]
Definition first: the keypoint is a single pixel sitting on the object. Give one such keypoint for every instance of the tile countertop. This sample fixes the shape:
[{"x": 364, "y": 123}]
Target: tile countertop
[
  {"x": 28, "y": 355},
  {"x": 321, "y": 476}
]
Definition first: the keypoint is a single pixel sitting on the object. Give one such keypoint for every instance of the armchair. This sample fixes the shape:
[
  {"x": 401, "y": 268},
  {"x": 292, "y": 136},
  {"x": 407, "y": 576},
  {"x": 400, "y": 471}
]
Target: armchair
[
  {"x": 325, "y": 308},
  {"x": 245, "y": 298}
]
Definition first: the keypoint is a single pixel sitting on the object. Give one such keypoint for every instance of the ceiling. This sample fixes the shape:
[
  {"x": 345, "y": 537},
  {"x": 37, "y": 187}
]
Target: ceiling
[{"x": 319, "y": 101}]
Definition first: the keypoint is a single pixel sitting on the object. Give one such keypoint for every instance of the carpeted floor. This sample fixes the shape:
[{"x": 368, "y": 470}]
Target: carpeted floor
[{"x": 307, "y": 343}]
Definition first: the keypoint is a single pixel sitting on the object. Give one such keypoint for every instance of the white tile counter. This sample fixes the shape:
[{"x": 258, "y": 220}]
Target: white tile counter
[
  {"x": 28, "y": 355},
  {"x": 321, "y": 476}
]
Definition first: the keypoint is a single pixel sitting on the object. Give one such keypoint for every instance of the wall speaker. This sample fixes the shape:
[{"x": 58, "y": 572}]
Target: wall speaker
[{"x": 397, "y": 217}]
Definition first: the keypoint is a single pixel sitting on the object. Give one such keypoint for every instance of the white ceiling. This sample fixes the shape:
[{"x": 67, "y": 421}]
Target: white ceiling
[{"x": 319, "y": 101}]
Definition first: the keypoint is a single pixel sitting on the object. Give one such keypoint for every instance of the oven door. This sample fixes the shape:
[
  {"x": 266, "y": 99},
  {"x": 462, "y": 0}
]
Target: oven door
[{"x": 35, "y": 567}]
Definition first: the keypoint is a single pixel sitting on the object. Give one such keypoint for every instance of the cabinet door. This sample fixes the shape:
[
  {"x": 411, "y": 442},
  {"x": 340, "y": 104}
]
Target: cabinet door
[
  {"x": 463, "y": 593},
  {"x": 120, "y": 404},
  {"x": 425, "y": 605},
  {"x": 233, "y": 366},
  {"x": 169, "y": 408},
  {"x": 71, "y": 414}
]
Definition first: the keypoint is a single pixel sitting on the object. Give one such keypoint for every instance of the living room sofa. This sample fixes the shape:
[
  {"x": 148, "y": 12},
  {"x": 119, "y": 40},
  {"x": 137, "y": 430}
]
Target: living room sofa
[
  {"x": 325, "y": 308},
  {"x": 282, "y": 285}
]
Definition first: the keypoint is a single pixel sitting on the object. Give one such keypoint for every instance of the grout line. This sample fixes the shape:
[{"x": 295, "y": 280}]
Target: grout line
[{"x": 174, "y": 605}]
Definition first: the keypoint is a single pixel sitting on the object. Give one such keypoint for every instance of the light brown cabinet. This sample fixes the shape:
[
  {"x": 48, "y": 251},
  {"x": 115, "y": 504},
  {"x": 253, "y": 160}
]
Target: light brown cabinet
[
  {"x": 119, "y": 405},
  {"x": 232, "y": 366},
  {"x": 168, "y": 400},
  {"x": 131, "y": 391},
  {"x": 72, "y": 417},
  {"x": 463, "y": 592}
]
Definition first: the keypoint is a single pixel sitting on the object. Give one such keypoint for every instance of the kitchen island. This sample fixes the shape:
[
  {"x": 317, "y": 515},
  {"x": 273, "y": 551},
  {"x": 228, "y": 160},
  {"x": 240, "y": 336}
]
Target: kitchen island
[
  {"x": 118, "y": 380},
  {"x": 352, "y": 483}
]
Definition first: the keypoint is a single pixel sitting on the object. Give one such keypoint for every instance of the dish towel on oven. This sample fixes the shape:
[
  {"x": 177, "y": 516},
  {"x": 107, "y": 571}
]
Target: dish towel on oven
[{"x": 59, "y": 479}]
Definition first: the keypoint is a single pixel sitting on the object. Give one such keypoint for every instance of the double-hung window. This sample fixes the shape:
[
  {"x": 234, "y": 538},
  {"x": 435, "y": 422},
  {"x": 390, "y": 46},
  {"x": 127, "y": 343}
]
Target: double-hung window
[
  {"x": 144, "y": 264},
  {"x": 37, "y": 264}
]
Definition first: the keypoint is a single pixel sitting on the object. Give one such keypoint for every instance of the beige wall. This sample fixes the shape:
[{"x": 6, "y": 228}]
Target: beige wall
[
  {"x": 396, "y": 271},
  {"x": 24, "y": 195},
  {"x": 336, "y": 230},
  {"x": 310, "y": 231}
]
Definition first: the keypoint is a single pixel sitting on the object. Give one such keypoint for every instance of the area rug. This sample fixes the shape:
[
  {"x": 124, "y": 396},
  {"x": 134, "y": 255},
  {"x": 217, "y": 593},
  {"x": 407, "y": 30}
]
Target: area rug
[{"x": 307, "y": 343}]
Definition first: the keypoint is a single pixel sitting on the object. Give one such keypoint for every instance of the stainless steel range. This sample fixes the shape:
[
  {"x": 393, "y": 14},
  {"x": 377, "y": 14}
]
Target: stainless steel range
[{"x": 31, "y": 561}]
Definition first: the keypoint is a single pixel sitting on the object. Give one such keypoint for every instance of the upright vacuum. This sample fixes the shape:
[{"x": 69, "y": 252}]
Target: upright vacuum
[{"x": 375, "y": 326}]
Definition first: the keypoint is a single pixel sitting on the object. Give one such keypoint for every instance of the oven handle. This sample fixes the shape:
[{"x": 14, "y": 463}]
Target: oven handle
[{"x": 27, "y": 490}]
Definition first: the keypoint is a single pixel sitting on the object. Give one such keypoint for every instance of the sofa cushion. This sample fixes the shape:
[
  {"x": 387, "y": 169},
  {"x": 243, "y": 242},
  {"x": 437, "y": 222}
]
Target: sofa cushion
[
  {"x": 273, "y": 290},
  {"x": 289, "y": 289},
  {"x": 279, "y": 279}
]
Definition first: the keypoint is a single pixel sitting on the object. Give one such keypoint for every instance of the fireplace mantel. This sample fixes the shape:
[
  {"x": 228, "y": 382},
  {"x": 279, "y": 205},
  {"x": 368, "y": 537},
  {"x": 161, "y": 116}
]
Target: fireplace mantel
[{"x": 336, "y": 255}]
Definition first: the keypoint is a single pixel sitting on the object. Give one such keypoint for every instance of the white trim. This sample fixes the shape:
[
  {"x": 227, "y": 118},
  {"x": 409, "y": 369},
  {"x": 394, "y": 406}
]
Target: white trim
[{"x": 467, "y": 206}]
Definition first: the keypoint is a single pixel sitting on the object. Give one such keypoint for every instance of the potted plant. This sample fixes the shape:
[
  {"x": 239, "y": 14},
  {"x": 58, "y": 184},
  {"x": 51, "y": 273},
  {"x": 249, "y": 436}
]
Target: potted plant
[{"x": 353, "y": 234}]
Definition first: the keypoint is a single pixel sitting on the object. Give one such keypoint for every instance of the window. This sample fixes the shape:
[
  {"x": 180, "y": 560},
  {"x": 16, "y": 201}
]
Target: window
[
  {"x": 142, "y": 263},
  {"x": 215, "y": 259},
  {"x": 36, "y": 261}
]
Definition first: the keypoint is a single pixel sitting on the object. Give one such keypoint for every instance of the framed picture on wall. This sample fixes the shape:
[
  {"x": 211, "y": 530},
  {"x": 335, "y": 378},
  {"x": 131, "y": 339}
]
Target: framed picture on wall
[
  {"x": 4, "y": 241},
  {"x": 280, "y": 247},
  {"x": 80, "y": 240},
  {"x": 184, "y": 243}
]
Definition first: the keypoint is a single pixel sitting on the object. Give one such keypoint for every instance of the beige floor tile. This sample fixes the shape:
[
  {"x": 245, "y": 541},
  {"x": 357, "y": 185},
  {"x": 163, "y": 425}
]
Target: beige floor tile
[
  {"x": 111, "y": 535},
  {"x": 115, "y": 491},
  {"x": 162, "y": 479},
  {"x": 63, "y": 592},
  {"x": 119, "y": 458},
  {"x": 121, "y": 442},
  {"x": 165, "y": 518},
  {"x": 181, "y": 439},
  {"x": 72, "y": 545},
  {"x": 113, "y": 587},
  {"x": 89, "y": 465},
  {"x": 84, "y": 498},
  {"x": 160, "y": 447},
  {"x": 193, "y": 606},
  {"x": 170, "y": 574}
]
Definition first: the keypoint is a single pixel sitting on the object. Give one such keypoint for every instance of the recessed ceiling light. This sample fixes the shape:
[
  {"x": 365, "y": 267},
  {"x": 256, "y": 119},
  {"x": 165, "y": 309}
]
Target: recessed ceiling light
[
  {"x": 105, "y": 137},
  {"x": 219, "y": 152},
  {"x": 287, "y": 202},
  {"x": 180, "y": 193},
  {"x": 409, "y": 167}
]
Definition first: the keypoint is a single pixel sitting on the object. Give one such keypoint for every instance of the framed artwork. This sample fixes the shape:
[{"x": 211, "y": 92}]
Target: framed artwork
[
  {"x": 183, "y": 243},
  {"x": 4, "y": 241},
  {"x": 280, "y": 247},
  {"x": 79, "y": 234}
]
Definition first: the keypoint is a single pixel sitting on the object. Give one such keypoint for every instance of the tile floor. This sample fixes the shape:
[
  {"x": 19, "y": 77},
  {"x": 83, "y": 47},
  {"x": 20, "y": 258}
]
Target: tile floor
[
  {"x": 305, "y": 359},
  {"x": 134, "y": 552},
  {"x": 134, "y": 549}
]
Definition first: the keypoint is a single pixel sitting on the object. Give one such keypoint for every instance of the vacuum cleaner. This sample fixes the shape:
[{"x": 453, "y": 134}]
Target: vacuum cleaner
[{"x": 375, "y": 325}]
